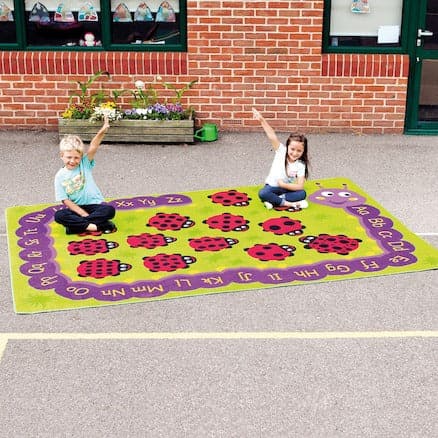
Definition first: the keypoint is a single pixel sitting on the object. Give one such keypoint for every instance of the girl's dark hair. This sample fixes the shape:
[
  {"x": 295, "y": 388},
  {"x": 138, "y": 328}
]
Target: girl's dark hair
[{"x": 305, "y": 157}]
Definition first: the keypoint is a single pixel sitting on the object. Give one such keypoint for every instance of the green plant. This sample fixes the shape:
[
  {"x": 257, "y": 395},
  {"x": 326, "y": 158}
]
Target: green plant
[
  {"x": 179, "y": 91},
  {"x": 84, "y": 94},
  {"x": 144, "y": 97}
]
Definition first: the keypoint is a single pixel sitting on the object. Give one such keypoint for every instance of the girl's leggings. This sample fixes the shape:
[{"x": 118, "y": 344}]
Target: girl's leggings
[{"x": 275, "y": 195}]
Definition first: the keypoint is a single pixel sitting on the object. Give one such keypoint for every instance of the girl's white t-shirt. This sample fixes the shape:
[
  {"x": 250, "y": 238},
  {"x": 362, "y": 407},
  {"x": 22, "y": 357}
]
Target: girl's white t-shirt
[{"x": 278, "y": 171}]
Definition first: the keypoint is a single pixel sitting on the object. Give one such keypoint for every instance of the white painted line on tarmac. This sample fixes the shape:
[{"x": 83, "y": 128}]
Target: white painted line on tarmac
[
  {"x": 221, "y": 335},
  {"x": 5, "y": 337},
  {"x": 3, "y": 343}
]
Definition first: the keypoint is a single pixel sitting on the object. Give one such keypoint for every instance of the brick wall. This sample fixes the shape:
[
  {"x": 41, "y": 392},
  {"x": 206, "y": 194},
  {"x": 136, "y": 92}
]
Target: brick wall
[{"x": 244, "y": 53}]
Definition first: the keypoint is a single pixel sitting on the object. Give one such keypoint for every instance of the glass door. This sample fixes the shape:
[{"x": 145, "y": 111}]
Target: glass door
[{"x": 422, "y": 108}]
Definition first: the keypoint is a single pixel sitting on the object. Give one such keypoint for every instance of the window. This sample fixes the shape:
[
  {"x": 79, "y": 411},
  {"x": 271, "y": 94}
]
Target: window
[
  {"x": 363, "y": 25},
  {"x": 93, "y": 25}
]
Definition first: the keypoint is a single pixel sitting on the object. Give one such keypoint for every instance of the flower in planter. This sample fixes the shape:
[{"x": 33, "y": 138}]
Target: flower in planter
[
  {"x": 80, "y": 110},
  {"x": 109, "y": 109},
  {"x": 145, "y": 104},
  {"x": 143, "y": 97},
  {"x": 158, "y": 111}
]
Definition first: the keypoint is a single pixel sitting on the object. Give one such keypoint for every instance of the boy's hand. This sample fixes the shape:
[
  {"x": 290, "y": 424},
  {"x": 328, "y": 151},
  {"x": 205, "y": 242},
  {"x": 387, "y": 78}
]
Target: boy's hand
[{"x": 106, "y": 123}]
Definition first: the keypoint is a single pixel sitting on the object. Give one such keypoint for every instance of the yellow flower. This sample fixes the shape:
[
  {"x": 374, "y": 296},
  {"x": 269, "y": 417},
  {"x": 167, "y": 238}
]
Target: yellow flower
[
  {"x": 108, "y": 105},
  {"x": 67, "y": 114}
]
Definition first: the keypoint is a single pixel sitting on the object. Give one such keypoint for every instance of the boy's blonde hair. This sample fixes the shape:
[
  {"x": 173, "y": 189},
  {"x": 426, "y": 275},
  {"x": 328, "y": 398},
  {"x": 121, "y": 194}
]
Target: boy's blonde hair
[{"x": 71, "y": 143}]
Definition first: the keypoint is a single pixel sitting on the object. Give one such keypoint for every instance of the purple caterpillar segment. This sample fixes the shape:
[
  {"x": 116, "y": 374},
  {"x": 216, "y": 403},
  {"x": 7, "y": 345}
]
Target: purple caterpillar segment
[
  {"x": 380, "y": 229},
  {"x": 150, "y": 201}
]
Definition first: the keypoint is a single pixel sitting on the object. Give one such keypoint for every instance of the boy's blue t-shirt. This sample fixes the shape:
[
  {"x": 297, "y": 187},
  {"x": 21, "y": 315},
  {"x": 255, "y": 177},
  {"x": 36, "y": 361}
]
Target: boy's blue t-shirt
[{"x": 78, "y": 184}]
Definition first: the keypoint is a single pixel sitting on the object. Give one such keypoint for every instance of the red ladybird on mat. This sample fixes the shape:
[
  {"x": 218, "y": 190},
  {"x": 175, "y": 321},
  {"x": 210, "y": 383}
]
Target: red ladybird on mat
[
  {"x": 283, "y": 225},
  {"x": 270, "y": 251},
  {"x": 325, "y": 243},
  {"x": 212, "y": 243},
  {"x": 227, "y": 222},
  {"x": 230, "y": 197},
  {"x": 170, "y": 221},
  {"x": 90, "y": 246},
  {"x": 101, "y": 268},
  {"x": 150, "y": 241},
  {"x": 167, "y": 262}
]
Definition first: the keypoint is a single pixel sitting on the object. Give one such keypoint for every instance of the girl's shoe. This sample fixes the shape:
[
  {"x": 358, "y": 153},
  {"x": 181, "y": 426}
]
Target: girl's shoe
[
  {"x": 268, "y": 205},
  {"x": 302, "y": 204},
  {"x": 296, "y": 206}
]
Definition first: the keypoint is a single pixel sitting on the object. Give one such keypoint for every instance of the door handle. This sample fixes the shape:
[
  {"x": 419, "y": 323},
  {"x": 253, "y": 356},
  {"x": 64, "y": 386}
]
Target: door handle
[{"x": 423, "y": 33}]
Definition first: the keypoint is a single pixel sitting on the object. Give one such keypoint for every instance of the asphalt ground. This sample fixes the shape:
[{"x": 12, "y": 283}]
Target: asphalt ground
[{"x": 355, "y": 358}]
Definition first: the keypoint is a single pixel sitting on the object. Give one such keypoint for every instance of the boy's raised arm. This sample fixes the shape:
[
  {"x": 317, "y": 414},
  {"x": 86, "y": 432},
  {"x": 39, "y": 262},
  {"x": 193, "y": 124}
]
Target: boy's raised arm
[{"x": 95, "y": 143}]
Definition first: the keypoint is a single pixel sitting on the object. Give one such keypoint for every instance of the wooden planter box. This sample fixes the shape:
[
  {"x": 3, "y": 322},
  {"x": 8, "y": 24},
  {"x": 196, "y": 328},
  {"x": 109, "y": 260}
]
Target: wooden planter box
[{"x": 132, "y": 131}]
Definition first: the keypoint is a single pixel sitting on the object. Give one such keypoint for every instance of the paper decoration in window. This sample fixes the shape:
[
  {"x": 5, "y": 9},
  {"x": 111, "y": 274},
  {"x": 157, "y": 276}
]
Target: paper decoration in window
[
  {"x": 87, "y": 12},
  {"x": 122, "y": 13},
  {"x": 39, "y": 13},
  {"x": 165, "y": 13},
  {"x": 5, "y": 12},
  {"x": 388, "y": 34},
  {"x": 360, "y": 7},
  {"x": 143, "y": 13},
  {"x": 63, "y": 14}
]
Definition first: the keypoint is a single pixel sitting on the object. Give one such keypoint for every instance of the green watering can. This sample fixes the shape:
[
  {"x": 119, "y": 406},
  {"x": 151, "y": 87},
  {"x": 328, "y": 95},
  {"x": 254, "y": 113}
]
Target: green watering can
[{"x": 208, "y": 132}]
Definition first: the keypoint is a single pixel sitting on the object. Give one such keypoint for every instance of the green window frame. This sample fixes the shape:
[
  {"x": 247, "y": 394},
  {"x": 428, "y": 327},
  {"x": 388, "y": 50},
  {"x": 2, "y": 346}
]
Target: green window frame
[
  {"x": 366, "y": 43},
  {"x": 158, "y": 26}
]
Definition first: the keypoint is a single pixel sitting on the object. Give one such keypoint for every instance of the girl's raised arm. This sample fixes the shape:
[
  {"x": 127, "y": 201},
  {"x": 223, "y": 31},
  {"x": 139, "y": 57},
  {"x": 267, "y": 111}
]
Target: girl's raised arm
[{"x": 268, "y": 129}]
